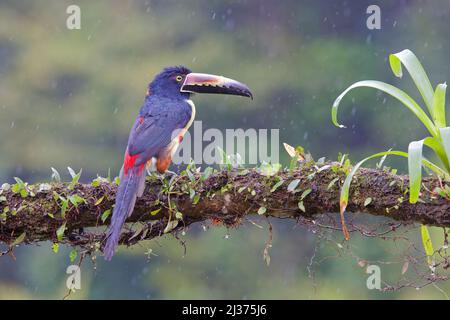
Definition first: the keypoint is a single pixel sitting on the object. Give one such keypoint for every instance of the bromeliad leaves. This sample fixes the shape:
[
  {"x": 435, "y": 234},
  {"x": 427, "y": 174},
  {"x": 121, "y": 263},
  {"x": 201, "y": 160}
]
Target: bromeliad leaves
[{"x": 438, "y": 141}]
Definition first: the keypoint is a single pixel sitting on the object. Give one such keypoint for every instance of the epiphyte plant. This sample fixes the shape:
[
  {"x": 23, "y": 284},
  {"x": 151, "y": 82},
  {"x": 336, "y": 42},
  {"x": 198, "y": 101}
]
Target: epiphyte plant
[{"x": 432, "y": 117}]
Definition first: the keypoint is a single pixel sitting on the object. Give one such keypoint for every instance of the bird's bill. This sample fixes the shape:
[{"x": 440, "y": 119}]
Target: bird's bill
[{"x": 209, "y": 83}]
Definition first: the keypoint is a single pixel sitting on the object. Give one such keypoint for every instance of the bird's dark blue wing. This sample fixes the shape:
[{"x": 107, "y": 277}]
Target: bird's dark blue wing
[{"x": 154, "y": 129}]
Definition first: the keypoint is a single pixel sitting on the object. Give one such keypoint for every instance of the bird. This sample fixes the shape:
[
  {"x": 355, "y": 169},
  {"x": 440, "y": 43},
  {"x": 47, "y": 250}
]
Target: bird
[{"x": 164, "y": 117}]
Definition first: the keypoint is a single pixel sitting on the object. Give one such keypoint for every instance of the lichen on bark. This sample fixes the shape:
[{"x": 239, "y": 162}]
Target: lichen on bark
[{"x": 172, "y": 203}]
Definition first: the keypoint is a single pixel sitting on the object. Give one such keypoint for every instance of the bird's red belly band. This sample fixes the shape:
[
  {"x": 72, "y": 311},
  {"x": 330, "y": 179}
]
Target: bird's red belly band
[{"x": 129, "y": 162}]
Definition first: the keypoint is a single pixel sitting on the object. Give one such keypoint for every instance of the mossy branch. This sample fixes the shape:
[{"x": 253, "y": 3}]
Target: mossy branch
[{"x": 62, "y": 212}]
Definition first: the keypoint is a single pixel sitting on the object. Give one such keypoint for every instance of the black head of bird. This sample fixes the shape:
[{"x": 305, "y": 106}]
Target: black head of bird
[{"x": 179, "y": 81}]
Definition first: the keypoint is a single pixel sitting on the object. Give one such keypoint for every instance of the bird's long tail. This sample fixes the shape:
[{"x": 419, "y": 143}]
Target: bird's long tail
[{"x": 131, "y": 186}]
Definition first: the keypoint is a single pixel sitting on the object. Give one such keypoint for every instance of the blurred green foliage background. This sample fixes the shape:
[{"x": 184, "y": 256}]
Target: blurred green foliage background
[{"x": 69, "y": 97}]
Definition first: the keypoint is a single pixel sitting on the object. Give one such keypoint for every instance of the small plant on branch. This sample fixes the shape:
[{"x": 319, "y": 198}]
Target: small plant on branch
[{"x": 432, "y": 117}]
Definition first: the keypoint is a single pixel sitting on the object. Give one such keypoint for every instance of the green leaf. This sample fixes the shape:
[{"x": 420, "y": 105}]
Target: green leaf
[
  {"x": 292, "y": 164},
  {"x": 23, "y": 193},
  {"x": 75, "y": 177},
  {"x": 445, "y": 137},
  {"x": 19, "y": 239},
  {"x": 301, "y": 206},
  {"x": 400, "y": 95},
  {"x": 99, "y": 201},
  {"x": 60, "y": 231},
  {"x": 262, "y": 210},
  {"x": 269, "y": 169},
  {"x": 305, "y": 193},
  {"x": 190, "y": 175},
  {"x": 76, "y": 200},
  {"x": 332, "y": 182},
  {"x": 20, "y": 182},
  {"x": 15, "y": 188},
  {"x": 277, "y": 185},
  {"x": 427, "y": 243},
  {"x": 55, "y": 247},
  {"x": 225, "y": 163},
  {"x": 207, "y": 173},
  {"x": 71, "y": 172},
  {"x": 415, "y": 169},
  {"x": 170, "y": 226},
  {"x": 292, "y": 185},
  {"x": 55, "y": 175},
  {"x": 437, "y": 146},
  {"x": 73, "y": 255},
  {"x": 155, "y": 212},
  {"x": 105, "y": 215},
  {"x": 439, "y": 105},
  {"x": 64, "y": 206},
  {"x": 196, "y": 199},
  {"x": 296, "y": 154},
  {"x": 417, "y": 72},
  {"x": 380, "y": 163},
  {"x": 20, "y": 187}
]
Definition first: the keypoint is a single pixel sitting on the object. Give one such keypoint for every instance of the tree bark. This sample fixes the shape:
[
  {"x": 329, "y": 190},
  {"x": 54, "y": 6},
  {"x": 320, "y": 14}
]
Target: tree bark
[{"x": 224, "y": 197}]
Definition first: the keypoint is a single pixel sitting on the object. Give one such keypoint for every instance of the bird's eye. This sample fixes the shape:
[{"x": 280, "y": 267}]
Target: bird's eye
[{"x": 178, "y": 78}]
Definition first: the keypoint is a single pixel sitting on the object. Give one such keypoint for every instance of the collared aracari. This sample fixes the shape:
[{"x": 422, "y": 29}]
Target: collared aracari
[{"x": 164, "y": 118}]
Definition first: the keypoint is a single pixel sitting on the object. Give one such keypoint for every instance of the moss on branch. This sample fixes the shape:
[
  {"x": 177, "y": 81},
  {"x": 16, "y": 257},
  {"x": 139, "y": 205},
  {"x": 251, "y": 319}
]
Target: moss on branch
[{"x": 73, "y": 213}]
